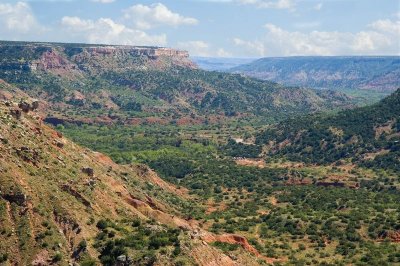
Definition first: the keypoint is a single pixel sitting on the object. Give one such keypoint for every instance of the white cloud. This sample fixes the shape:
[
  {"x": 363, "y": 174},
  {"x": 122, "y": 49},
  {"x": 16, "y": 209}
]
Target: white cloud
[
  {"x": 252, "y": 48},
  {"x": 277, "y": 4},
  {"x": 201, "y": 48},
  {"x": 222, "y": 53},
  {"x": 103, "y": 1},
  {"x": 382, "y": 37},
  {"x": 18, "y": 19},
  {"x": 197, "y": 48},
  {"x": 386, "y": 25},
  {"x": 146, "y": 17},
  {"x": 107, "y": 31}
]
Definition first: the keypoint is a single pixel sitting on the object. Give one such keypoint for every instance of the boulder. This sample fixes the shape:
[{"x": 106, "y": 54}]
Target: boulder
[{"x": 121, "y": 258}]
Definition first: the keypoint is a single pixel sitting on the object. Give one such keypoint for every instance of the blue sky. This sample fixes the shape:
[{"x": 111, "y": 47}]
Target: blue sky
[{"x": 218, "y": 28}]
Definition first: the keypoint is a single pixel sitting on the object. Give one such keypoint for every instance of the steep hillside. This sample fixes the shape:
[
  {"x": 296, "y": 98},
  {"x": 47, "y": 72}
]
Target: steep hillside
[
  {"x": 369, "y": 136},
  {"x": 369, "y": 73},
  {"x": 61, "y": 203},
  {"x": 131, "y": 85}
]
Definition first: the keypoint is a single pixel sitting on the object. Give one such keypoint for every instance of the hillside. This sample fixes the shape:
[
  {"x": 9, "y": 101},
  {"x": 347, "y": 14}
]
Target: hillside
[
  {"x": 368, "y": 136},
  {"x": 136, "y": 85},
  {"x": 367, "y": 73},
  {"x": 62, "y": 204}
]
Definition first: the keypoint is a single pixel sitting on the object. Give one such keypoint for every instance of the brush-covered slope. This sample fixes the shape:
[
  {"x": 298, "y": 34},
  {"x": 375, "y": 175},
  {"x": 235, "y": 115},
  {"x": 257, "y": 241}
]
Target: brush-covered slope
[
  {"x": 369, "y": 136},
  {"x": 369, "y": 73},
  {"x": 62, "y": 204},
  {"x": 106, "y": 84}
]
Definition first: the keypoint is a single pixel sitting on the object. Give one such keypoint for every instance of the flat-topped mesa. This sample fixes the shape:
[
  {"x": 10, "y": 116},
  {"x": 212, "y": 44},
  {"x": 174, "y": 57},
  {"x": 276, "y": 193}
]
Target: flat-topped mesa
[
  {"x": 64, "y": 60},
  {"x": 170, "y": 52},
  {"x": 138, "y": 51}
]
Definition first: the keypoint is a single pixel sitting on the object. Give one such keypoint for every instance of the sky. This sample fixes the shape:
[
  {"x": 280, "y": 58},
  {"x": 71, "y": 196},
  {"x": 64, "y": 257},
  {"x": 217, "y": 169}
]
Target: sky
[{"x": 213, "y": 28}]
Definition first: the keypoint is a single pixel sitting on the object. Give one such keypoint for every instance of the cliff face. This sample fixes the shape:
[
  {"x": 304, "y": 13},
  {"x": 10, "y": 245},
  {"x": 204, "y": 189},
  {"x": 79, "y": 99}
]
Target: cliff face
[
  {"x": 66, "y": 60},
  {"x": 135, "y": 51}
]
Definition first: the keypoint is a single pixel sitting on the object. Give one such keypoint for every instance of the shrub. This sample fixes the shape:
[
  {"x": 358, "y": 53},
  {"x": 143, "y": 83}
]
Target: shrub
[
  {"x": 57, "y": 257},
  {"x": 102, "y": 224}
]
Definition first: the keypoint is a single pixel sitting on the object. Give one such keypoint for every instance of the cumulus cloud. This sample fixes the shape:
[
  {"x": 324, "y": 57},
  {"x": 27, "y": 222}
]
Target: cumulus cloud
[
  {"x": 18, "y": 19},
  {"x": 381, "y": 37},
  {"x": 386, "y": 25},
  {"x": 201, "y": 48},
  {"x": 107, "y": 31},
  {"x": 252, "y": 48},
  {"x": 146, "y": 17},
  {"x": 277, "y": 4}
]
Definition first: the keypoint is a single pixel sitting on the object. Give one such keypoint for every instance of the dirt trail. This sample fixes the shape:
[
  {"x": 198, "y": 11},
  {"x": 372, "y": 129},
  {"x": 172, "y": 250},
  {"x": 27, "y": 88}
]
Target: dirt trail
[{"x": 260, "y": 163}]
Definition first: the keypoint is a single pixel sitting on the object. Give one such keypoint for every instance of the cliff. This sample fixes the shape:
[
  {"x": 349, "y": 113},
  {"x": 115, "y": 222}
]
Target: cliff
[{"x": 70, "y": 59}]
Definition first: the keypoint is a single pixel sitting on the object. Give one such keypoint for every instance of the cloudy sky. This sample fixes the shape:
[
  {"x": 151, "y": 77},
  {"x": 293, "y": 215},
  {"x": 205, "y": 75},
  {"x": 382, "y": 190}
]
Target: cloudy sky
[{"x": 218, "y": 28}]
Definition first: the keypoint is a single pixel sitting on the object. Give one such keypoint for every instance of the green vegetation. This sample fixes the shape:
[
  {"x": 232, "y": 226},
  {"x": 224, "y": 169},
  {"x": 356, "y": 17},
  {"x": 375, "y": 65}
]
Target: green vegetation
[
  {"x": 348, "y": 135},
  {"x": 364, "y": 97},
  {"x": 226, "y": 246},
  {"x": 138, "y": 244},
  {"x": 321, "y": 189},
  {"x": 316, "y": 222}
]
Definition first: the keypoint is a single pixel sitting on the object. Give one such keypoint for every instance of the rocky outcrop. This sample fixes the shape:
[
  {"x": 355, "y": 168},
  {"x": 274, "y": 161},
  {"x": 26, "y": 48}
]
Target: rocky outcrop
[
  {"x": 66, "y": 61},
  {"x": 81, "y": 198},
  {"x": 237, "y": 240},
  {"x": 395, "y": 236},
  {"x": 136, "y": 51},
  {"x": 51, "y": 60}
]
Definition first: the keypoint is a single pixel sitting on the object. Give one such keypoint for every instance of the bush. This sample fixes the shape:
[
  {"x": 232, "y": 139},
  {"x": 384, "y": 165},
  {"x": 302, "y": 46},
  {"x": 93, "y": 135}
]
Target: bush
[
  {"x": 102, "y": 224},
  {"x": 82, "y": 245},
  {"x": 57, "y": 257},
  {"x": 3, "y": 258}
]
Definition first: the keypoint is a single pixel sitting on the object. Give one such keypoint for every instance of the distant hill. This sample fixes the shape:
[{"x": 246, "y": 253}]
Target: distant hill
[
  {"x": 380, "y": 73},
  {"x": 368, "y": 136},
  {"x": 220, "y": 63},
  {"x": 131, "y": 85}
]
